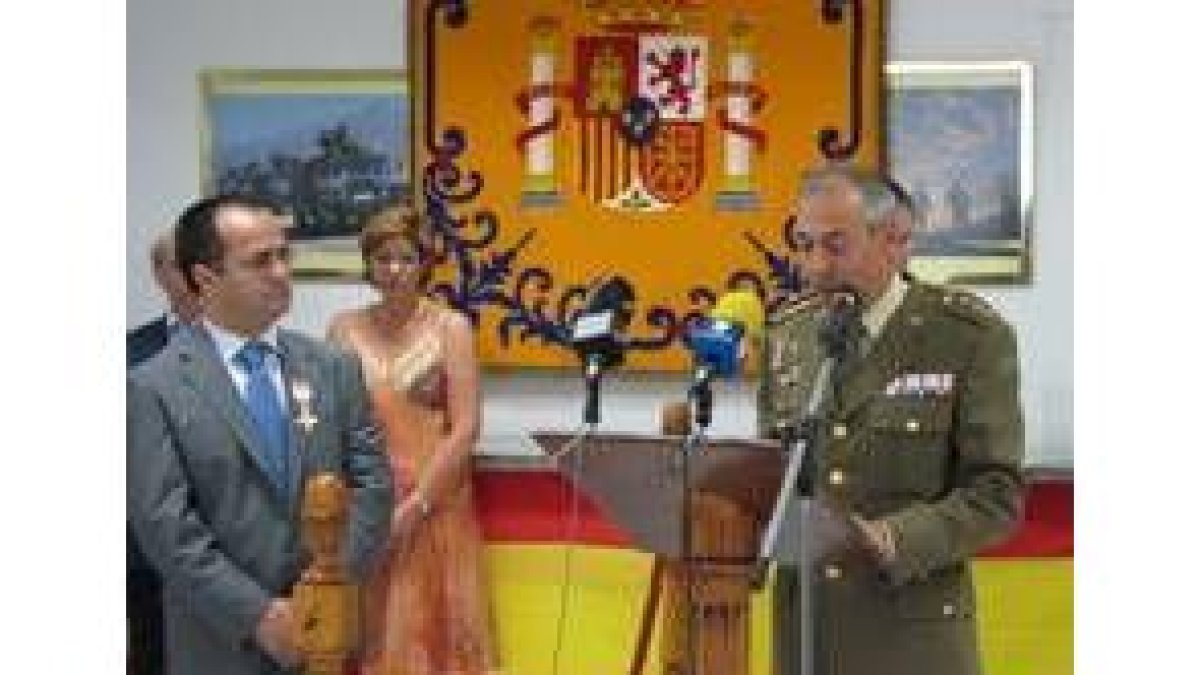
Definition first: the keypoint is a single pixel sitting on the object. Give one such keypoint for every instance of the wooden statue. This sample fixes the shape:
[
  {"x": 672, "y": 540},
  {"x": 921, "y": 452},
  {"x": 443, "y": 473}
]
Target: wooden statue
[{"x": 326, "y": 601}]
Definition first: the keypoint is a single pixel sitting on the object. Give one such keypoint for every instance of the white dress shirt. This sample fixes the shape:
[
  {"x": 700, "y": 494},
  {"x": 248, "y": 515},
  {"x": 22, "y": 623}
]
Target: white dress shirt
[
  {"x": 229, "y": 344},
  {"x": 877, "y": 314}
]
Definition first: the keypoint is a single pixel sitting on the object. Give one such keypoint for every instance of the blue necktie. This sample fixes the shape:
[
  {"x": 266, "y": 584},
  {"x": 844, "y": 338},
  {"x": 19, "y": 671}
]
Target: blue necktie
[{"x": 266, "y": 411}]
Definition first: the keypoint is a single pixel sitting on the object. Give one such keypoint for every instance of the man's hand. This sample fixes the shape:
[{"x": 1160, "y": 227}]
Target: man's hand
[
  {"x": 829, "y": 531},
  {"x": 276, "y": 633},
  {"x": 877, "y": 538}
]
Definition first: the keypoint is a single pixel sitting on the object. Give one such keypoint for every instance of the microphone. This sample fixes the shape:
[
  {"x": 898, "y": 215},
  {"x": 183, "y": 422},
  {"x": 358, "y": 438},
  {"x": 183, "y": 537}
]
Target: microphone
[
  {"x": 596, "y": 336},
  {"x": 717, "y": 343},
  {"x": 841, "y": 326}
]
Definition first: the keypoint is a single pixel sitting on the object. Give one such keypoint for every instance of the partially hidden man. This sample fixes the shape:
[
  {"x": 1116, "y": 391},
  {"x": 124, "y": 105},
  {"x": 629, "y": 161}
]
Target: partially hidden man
[
  {"x": 920, "y": 447},
  {"x": 224, "y": 426}
]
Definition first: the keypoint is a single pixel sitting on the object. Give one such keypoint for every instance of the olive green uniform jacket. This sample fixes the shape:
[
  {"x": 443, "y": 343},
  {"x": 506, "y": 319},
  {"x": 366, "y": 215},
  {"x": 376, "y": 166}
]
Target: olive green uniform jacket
[{"x": 926, "y": 435}]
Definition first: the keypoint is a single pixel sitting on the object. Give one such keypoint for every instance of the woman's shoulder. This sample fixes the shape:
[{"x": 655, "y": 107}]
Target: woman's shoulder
[
  {"x": 449, "y": 318},
  {"x": 352, "y": 315},
  {"x": 347, "y": 325}
]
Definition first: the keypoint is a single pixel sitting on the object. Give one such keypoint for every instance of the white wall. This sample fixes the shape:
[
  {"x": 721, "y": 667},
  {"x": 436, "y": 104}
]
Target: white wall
[{"x": 169, "y": 41}]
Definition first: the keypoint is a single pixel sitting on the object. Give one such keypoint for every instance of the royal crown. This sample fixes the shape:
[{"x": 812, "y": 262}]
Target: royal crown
[{"x": 642, "y": 15}]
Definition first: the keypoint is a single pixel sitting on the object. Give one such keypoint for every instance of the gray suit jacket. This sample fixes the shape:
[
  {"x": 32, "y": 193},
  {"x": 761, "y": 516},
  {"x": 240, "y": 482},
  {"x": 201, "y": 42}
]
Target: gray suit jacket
[{"x": 224, "y": 539}]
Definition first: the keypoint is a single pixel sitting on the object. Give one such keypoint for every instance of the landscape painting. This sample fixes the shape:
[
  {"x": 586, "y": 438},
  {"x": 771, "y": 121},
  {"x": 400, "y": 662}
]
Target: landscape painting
[
  {"x": 330, "y": 147},
  {"x": 959, "y": 140}
]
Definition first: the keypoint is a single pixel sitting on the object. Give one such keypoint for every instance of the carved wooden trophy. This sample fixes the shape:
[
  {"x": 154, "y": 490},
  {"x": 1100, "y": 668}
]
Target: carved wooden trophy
[{"x": 326, "y": 601}]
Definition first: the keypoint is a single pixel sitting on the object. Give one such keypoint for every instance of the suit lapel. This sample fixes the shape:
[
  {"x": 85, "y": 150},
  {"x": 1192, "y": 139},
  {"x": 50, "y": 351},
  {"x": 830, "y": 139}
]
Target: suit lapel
[
  {"x": 300, "y": 371},
  {"x": 204, "y": 372}
]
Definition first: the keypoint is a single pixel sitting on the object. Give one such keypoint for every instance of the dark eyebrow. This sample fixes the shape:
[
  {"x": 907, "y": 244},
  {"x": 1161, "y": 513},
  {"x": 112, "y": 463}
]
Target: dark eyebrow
[{"x": 267, "y": 254}]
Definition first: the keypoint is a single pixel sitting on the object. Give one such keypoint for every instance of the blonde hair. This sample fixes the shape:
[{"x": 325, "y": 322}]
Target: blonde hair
[{"x": 398, "y": 221}]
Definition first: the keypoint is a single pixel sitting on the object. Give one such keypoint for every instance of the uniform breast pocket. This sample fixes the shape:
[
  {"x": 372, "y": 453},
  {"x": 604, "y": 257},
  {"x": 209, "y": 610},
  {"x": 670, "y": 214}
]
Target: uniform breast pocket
[{"x": 909, "y": 446}]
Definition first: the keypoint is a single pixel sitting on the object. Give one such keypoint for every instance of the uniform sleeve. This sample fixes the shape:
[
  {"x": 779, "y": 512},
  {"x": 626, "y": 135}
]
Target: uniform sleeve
[
  {"x": 366, "y": 468},
  {"x": 172, "y": 534},
  {"x": 984, "y": 503}
]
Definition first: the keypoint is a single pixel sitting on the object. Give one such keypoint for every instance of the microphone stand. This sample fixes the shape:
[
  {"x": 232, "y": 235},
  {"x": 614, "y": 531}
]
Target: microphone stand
[
  {"x": 700, "y": 394},
  {"x": 799, "y": 460},
  {"x": 577, "y": 468},
  {"x": 839, "y": 336},
  {"x": 592, "y": 372}
]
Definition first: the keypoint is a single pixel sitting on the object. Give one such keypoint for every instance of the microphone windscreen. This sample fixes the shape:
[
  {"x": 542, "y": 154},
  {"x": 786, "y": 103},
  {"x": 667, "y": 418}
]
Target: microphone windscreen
[
  {"x": 613, "y": 294},
  {"x": 596, "y": 330},
  {"x": 742, "y": 308}
]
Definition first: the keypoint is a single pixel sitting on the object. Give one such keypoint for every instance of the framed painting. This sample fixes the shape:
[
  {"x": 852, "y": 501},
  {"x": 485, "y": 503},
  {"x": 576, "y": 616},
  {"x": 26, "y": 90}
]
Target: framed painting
[
  {"x": 329, "y": 146},
  {"x": 959, "y": 137}
]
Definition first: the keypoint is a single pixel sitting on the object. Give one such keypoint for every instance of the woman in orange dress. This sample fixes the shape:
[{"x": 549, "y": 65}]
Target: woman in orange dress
[{"x": 426, "y": 606}]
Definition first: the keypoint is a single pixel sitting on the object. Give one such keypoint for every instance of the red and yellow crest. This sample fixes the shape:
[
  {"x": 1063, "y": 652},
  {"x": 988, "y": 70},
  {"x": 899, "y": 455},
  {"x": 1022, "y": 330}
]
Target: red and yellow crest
[{"x": 660, "y": 140}]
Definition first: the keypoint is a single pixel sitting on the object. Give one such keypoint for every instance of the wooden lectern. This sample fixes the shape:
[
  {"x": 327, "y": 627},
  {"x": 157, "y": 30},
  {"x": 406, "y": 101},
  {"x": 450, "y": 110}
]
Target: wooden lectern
[{"x": 639, "y": 483}]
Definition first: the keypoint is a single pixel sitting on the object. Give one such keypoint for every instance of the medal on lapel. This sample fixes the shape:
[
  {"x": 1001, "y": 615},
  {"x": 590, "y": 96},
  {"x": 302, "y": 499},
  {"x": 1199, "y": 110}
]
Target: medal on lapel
[{"x": 302, "y": 393}]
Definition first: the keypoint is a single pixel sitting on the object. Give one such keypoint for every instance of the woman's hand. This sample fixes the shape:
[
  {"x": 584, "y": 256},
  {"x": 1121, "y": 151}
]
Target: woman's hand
[{"x": 406, "y": 519}]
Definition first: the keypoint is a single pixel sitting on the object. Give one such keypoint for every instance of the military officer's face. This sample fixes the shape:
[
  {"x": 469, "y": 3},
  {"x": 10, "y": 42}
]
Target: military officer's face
[{"x": 837, "y": 249}]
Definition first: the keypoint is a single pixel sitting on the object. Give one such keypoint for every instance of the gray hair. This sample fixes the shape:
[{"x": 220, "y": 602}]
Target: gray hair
[
  {"x": 879, "y": 200},
  {"x": 162, "y": 251}
]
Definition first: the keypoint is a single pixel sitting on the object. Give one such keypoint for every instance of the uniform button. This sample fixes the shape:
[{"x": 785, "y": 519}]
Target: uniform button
[
  {"x": 912, "y": 425},
  {"x": 839, "y": 431},
  {"x": 836, "y": 477},
  {"x": 948, "y": 610},
  {"x": 833, "y": 572},
  {"x": 916, "y": 321},
  {"x": 948, "y": 299}
]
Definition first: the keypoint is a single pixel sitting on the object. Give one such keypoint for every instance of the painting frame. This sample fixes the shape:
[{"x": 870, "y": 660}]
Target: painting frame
[
  {"x": 959, "y": 137},
  {"x": 330, "y": 146}
]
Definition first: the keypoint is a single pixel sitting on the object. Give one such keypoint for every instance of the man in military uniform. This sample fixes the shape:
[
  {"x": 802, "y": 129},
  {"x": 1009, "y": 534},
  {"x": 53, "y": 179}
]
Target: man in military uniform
[{"x": 918, "y": 447}]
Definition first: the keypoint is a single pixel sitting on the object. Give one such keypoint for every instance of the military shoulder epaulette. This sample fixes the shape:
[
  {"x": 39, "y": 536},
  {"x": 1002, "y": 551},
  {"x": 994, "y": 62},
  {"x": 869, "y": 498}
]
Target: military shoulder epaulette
[
  {"x": 791, "y": 306},
  {"x": 966, "y": 305}
]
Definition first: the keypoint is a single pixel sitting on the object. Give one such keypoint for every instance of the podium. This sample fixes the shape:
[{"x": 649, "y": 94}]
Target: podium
[{"x": 639, "y": 482}]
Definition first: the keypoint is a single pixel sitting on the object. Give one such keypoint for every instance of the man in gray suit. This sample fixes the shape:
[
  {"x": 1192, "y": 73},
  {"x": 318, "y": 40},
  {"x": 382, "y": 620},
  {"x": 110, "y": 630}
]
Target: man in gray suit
[{"x": 224, "y": 426}]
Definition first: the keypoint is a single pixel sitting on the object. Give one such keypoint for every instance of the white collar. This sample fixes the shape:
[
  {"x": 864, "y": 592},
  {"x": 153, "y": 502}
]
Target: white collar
[
  {"x": 877, "y": 315},
  {"x": 229, "y": 343}
]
